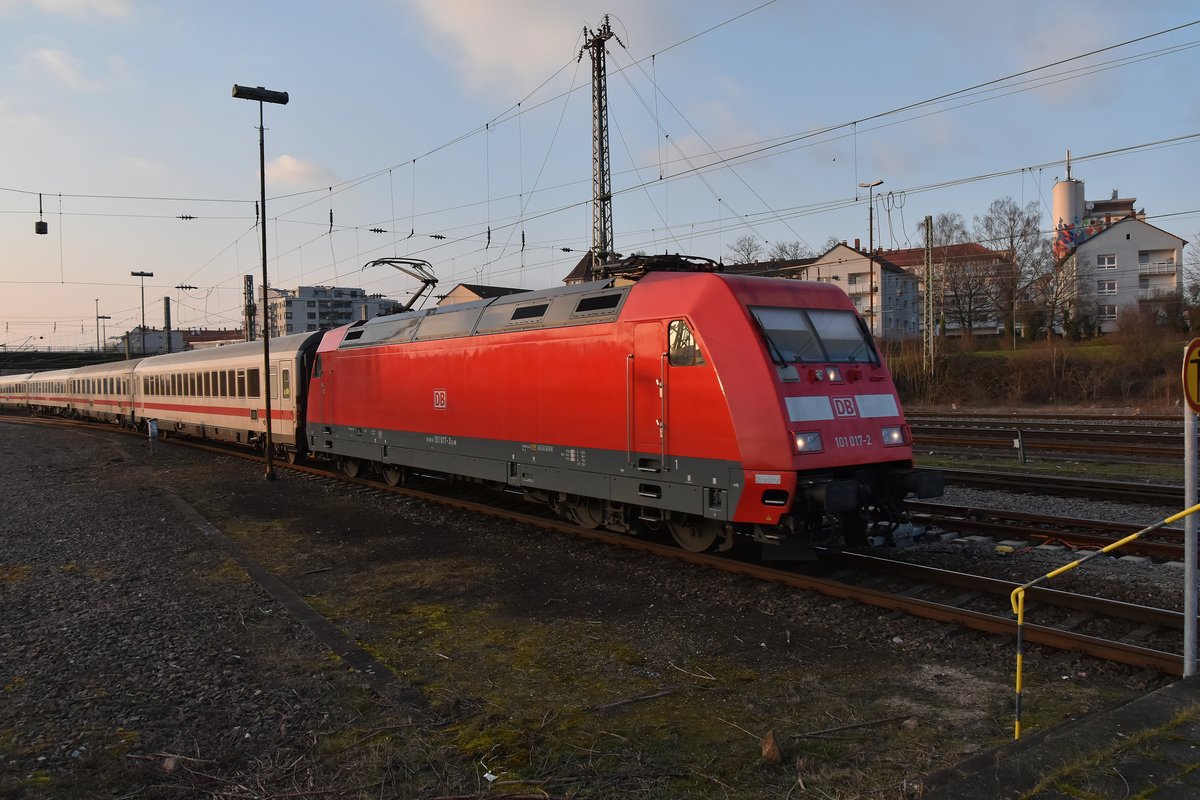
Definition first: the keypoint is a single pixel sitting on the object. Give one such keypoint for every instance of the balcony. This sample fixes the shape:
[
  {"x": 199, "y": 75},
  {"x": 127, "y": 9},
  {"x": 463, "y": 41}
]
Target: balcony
[{"x": 1157, "y": 268}]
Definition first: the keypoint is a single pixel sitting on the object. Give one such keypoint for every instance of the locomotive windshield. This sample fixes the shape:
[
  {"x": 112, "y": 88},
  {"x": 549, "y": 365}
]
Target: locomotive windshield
[{"x": 807, "y": 335}]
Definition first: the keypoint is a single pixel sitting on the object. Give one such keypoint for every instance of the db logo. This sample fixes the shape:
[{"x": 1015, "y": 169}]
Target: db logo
[
  {"x": 439, "y": 398},
  {"x": 844, "y": 407}
]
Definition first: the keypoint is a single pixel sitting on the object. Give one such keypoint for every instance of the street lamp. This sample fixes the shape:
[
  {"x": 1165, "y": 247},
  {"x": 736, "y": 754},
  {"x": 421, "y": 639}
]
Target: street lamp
[
  {"x": 264, "y": 96},
  {"x": 870, "y": 187},
  {"x": 143, "y": 276}
]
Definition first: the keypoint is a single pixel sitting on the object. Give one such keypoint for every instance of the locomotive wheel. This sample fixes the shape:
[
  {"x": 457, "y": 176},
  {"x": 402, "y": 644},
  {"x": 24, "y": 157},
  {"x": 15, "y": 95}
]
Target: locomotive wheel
[
  {"x": 589, "y": 513},
  {"x": 694, "y": 535},
  {"x": 392, "y": 476},
  {"x": 351, "y": 467}
]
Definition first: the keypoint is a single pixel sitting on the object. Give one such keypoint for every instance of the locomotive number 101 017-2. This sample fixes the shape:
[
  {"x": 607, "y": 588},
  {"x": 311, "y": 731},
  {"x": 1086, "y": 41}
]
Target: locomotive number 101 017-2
[{"x": 857, "y": 440}]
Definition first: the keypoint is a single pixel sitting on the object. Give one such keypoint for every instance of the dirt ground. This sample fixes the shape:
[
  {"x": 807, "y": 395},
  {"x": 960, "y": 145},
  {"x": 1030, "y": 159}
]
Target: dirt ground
[{"x": 542, "y": 665}]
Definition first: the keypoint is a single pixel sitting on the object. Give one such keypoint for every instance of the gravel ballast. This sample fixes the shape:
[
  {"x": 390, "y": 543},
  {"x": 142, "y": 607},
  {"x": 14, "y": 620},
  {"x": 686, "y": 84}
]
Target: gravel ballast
[{"x": 138, "y": 659}]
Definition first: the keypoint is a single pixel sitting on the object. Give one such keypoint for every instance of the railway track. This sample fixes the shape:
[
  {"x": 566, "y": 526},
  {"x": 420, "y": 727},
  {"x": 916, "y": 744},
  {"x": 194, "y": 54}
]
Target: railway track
[
  {"x": 1067, "y": 486},
  {"x": 952, "y": 611},
  {"x": 1129, "y": 437},
  {"x": 1166, "y": 543}
]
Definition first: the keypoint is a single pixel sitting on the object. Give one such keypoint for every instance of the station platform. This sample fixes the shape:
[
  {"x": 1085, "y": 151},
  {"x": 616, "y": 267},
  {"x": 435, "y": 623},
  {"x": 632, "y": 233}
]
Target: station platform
[{"x": 1147, "y": 748}]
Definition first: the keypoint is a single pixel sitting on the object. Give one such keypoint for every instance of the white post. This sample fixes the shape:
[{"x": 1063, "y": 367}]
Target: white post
[{"x": 1189, "y": 542}]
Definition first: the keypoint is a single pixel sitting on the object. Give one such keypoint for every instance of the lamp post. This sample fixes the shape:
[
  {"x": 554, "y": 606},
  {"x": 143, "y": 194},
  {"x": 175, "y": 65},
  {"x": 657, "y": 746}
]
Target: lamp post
[
  {"x": 264, "y": 96},
  {"x": 143, "y": 276},
  {"x": 870, "y": 187}
]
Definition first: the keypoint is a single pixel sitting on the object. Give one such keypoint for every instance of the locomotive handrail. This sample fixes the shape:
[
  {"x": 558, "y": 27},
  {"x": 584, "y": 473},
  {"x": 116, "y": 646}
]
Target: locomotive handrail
[
  {"x": 662, "y": 410},
  {"x": 629, "y": 409}
]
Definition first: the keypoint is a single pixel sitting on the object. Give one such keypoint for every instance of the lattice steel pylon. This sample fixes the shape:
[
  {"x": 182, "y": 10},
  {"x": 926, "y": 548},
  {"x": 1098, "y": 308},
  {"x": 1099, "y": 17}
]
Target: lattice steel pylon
[{"x": 602, "y": 225}]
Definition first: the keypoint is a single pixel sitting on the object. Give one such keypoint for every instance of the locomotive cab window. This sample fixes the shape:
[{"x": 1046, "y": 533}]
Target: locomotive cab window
[
  {"x": 682, "y": 349},
  {"x": 797, "y": 336}
]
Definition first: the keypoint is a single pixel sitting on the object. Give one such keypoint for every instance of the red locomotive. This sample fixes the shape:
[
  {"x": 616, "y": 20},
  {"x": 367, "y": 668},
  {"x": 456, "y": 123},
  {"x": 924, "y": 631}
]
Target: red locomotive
[{"x": 667, "y": 395}]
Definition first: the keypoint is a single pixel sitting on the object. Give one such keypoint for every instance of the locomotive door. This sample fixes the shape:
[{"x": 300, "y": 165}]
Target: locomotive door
[
  {"x": 648, "y": 408},
  {"x": 323, "y": 385}
]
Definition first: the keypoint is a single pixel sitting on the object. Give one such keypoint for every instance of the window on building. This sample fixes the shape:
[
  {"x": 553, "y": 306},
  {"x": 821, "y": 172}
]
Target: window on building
[
  {"x": 1143, "y": 256},
  {"x": 1108, "y": 311},
  {"x": 1106, "y": 287},
  {"x": 311, "y": 304},
  {"x": 312, "y": 315},
  {"x": 1106, "y": 261}
]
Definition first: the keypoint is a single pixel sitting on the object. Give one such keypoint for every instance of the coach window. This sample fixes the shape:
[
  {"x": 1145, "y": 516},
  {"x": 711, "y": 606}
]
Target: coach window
[
  {"x": 287, "y": 384},
  {"x": 241, "y": 383},
  {"x": 252, "y": 383},
  {"x": 222, "y": 375},
  {"x": 192, "y": 385},
  {"x": 274, "y": 382},
  {"x": 207, "y": 384},
  {"x": 682, "y": 349}
]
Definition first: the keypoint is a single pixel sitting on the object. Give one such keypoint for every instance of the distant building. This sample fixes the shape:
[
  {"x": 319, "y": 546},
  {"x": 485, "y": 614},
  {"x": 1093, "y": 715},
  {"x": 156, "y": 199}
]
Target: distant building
[
  {"x": 1112, "y": 257},
  {"x": 1127, "y": 263},
  {"x": 468, "y": 292},
  {"x": 155, "y": 342},
  {"x": 313, "y": 308},
  {"x": 887, "y": 296}
]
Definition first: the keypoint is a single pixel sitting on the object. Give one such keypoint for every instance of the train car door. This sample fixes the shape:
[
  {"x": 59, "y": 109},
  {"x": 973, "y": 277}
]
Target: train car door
[{"x": 648, "y": 421}]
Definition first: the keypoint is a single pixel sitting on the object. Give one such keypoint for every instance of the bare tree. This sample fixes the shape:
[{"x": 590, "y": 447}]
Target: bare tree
[
  {"x": 948, "y": 228},
  {"x": 961, "y": 287},
  {"x": 789, "y": 251},
  {"x": 829, "y": 243},
  {"x": 1017, "y": 232},
  {"x": 745, "y": 249}
]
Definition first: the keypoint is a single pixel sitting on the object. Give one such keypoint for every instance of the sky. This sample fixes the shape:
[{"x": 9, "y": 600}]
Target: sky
[{"x": 460, "y": 130}]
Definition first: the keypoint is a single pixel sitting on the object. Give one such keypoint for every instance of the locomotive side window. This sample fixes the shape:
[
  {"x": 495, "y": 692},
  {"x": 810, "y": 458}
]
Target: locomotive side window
[
  {"x": 682, "y": 350},
  {"x": 317, "y": 367}
]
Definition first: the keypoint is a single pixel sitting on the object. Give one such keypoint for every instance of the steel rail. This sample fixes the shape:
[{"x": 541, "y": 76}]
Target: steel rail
[
  {"x": 1118, "y": 652},
  {"x": 1151, "y": 493},
  {"x": 1076, "y": 533}
]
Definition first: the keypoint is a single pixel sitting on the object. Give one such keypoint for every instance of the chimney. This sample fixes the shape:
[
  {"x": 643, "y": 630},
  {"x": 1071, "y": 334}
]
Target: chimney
[{"x": 857, "y": 244}]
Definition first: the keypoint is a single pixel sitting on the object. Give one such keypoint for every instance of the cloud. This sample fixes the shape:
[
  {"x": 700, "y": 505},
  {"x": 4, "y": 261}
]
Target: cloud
[
  {"x": 62, "y": 67},
  {"x": 516, "y": 43},
  {"x": 13, "y": 119},
  {"x": 72, "y": 8},
  {"x": 294, "y": 172}
]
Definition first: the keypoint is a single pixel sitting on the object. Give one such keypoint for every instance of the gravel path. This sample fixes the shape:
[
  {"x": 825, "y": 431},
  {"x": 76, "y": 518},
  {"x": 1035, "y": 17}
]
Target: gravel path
[{"x": 132, "y": 654}]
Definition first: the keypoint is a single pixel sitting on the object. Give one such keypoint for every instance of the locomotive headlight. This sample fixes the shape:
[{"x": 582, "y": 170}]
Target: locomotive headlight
[
  {"x": 893, "y": 435},
  {"x": 808, "y": 442}
]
